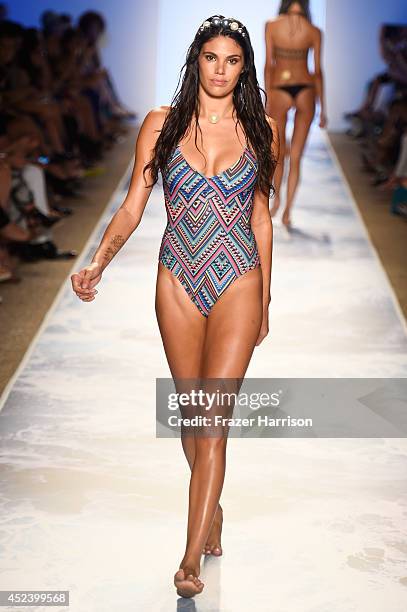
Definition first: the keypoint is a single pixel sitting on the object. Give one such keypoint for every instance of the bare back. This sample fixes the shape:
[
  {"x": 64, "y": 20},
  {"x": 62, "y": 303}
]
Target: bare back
[{"x": 288, "y": 41}]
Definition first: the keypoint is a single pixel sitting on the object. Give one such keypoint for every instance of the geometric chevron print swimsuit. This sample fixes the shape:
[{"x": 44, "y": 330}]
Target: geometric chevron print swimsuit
[{"x": 208, "y": 241}]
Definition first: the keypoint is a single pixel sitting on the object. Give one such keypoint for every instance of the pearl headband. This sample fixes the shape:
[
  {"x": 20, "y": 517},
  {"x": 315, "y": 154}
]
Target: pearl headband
[{"x": 225, "y": 22}]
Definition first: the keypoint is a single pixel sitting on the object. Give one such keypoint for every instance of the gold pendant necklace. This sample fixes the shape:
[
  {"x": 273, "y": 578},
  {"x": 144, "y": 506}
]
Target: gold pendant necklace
[{"x": 215, "y": 117}]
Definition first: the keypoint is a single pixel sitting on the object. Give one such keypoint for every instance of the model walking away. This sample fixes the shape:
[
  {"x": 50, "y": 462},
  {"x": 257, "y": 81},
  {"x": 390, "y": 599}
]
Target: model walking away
[{"x": 289, "y": 84}]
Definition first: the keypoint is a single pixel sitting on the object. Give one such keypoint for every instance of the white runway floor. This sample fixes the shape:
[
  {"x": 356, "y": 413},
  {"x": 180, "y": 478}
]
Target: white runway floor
[{"x": 93, "y": 503}]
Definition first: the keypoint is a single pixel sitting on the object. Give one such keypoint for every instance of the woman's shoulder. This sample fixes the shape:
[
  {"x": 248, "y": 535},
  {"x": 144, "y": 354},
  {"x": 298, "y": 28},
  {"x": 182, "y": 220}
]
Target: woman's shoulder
[
  {"x": 152, "y": 125},
  {"x": 156, "y": 116},
  {"x": 159, "y": 112},
  {"x": 316, "y": 31},
  {"x": 272, "y": 23}
]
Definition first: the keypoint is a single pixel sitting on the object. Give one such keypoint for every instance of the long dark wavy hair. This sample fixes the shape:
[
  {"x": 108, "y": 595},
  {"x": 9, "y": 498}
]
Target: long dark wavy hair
[
  {"x": 246, "y": 99},
  {"x": 304, "y": 4}
]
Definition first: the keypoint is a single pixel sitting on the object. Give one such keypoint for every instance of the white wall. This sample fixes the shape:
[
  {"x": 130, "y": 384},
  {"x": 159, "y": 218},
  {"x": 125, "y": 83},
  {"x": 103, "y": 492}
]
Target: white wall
[
  {"x": 130, "y": 50},
  {"x": 179, "y": 21},
  {"x": 352, "y": 50}
]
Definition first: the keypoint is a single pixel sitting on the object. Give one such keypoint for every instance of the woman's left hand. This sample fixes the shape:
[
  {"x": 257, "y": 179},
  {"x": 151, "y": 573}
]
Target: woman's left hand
[
  {"x": 264, "y": 329},
  {"x": 323, "y": 121}
]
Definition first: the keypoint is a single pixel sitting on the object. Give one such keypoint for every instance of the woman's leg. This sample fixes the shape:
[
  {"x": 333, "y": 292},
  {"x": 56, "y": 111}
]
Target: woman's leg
[
  {"x": 183, "y": 344},
  {"x": 278, "y": 106},
  {"x": 25, "y": 126},
  {"x": 51, "y": 118},
  {"x": 304, "y": 114},
  {"x": 34, "y": 176},
  {"x": 182, "y": 329},
  {"x": 231, "y": 334},
  {"x": 81, "y": 108}
]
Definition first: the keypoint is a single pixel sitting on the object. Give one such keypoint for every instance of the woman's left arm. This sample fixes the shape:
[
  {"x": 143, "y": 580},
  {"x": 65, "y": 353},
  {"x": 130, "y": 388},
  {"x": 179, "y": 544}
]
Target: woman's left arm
[
  {"x": 262, "y": 227},
  {"x": 269, "y": 66}
]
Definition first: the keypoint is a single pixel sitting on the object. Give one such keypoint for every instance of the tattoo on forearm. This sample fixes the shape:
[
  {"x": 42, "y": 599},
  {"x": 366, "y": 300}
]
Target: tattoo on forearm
[{"x": 115, "y": 244}]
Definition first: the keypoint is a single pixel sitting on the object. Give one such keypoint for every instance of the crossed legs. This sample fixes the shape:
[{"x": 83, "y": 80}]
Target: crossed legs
[{"x": 196, "y": 347}]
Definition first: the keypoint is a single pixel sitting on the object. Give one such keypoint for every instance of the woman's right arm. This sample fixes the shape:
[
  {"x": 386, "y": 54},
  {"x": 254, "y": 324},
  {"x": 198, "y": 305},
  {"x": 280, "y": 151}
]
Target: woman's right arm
[
  {"x": 127, "y": 218},
  {"x": 319, "y": 79}
]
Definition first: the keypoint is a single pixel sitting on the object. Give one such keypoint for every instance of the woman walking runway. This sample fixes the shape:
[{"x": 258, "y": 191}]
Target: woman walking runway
[
  {"x": 289, "y": 84},
  {"x": 216, "y": 149}
]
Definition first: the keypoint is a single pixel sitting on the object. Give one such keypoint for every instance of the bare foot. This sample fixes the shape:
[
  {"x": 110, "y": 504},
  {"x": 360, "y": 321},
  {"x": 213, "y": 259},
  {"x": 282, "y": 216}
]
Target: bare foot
[
  {"x": 187, "y": 582},
  {"x": 213, "y": 545}
]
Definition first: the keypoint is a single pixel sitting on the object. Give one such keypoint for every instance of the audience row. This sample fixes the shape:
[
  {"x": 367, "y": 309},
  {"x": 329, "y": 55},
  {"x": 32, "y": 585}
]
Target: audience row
[
  {"x": 59, "y": 113},
  {"x": 380, "y": 124}
]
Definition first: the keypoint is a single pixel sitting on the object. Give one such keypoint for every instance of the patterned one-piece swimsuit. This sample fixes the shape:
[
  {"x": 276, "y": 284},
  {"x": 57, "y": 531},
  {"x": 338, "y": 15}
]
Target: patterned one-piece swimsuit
[{"x": 208, "y": 241}]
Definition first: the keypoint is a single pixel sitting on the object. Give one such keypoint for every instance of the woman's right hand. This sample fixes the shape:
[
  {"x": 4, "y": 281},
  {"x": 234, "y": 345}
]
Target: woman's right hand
[{"x": 84, "y": 281}]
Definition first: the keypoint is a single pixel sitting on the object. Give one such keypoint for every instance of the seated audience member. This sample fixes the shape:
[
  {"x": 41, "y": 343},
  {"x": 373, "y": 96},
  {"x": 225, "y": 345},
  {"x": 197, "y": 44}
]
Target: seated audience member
[
  {"x": 59, "y": 113},
  {"x": 382, "y": 120}
]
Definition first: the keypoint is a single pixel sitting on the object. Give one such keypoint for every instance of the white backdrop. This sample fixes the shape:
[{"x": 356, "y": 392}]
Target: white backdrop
[{"x": 179, "y": 21}]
